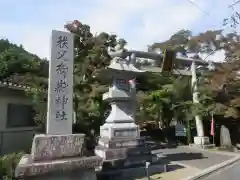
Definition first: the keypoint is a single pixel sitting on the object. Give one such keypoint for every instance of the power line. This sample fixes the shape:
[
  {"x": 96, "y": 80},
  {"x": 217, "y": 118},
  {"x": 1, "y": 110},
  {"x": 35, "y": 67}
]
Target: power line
[
  {"x": 230, "y": 6},
  {"x": 208, "y": 13},
  {"x": 203, "y": 11},
  {"x": 234, "y": 19},
  {"x": 196, "y": 6}
]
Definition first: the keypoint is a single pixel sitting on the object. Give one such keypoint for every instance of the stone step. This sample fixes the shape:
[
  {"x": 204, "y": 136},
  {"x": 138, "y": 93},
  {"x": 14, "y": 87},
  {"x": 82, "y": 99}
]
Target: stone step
[
  {"x": 132, "y": 161},
  {"x": 28, "y": 168},
  {"x": 203, "y": 146},
  {"x": 121, "y": 142},
  {"x": 121, "y": 153}
]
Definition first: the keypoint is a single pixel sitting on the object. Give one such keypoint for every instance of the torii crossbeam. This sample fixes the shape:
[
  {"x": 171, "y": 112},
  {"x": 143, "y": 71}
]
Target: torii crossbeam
[{"x": 158, "y": 58}]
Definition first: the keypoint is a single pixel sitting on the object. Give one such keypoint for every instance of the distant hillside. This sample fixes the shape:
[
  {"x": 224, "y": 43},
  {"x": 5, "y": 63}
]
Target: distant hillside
[{"x": 19, "y": 65}]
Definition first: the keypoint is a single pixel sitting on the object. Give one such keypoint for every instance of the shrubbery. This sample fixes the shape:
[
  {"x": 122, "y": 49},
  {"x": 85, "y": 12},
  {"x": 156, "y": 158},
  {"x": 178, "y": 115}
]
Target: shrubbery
[{"x": 8, "y": 164}]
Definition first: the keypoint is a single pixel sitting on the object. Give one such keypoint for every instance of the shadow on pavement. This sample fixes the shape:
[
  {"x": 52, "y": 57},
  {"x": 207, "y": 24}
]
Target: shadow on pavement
[
  {"x": 137, "y": 173},
  {"x": 164, "y": 159},
  {"x": 157, "y": 145},
  {"x": 182, "y": 156}
]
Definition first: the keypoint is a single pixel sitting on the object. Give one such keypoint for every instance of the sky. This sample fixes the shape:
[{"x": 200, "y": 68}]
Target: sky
[{"x": 140, "y": 22}]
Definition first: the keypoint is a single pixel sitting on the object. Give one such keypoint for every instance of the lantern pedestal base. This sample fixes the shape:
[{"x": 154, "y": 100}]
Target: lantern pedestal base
[{"x": 202, "y": 142}]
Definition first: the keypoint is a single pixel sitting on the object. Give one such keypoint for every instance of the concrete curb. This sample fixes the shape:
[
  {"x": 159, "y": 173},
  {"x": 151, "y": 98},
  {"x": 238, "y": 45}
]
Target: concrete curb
[{"x": 212, "y": 169}]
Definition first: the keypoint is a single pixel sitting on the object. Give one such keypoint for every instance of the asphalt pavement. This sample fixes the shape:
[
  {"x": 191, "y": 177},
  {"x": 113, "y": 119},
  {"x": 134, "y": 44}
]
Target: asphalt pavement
[{"x": 182, "y": 162}]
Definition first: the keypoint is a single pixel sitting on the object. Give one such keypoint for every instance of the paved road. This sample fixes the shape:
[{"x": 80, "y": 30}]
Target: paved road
[
  {"x": 192, "y": 157},
  {"x": 229, "y": 173}
]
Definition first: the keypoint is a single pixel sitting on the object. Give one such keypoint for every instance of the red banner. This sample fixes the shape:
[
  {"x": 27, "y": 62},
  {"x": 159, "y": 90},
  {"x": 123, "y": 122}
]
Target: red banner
[{"x": 212, "y": 127}]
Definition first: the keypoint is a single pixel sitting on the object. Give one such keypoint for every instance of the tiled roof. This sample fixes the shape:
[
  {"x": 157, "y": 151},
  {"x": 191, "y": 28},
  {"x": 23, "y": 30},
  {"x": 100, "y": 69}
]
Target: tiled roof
[{"x": 18, "y": 86}]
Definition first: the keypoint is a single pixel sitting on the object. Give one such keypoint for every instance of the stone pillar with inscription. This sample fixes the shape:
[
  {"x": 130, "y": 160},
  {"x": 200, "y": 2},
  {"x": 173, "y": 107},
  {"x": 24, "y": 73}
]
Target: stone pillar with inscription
[
  {"x": 120, "y": 144},
  {"x": 59, "y": 154}
]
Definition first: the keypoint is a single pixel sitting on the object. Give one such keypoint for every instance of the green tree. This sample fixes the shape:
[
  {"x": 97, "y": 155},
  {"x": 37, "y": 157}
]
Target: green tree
[
  {"x": 163, "y": 98},
  {"x": 15, "y": 60},
  {"x": 23, "y": 68},
  {"x": 224, "y": 74},
  {"x": 91, "y": 57}
]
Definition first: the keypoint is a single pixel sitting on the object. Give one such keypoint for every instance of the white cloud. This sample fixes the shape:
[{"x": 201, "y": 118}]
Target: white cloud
[
  {"x": 140, "y": 22},
  {"x": 158, "y": 28}
]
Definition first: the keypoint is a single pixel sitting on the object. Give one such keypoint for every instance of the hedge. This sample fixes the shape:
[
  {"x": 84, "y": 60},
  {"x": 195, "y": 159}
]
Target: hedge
[{"x": 8, "y": 164}]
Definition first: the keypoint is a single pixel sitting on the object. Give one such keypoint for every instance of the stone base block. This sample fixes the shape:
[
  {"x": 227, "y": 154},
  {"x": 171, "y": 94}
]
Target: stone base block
[
  {"x": 119, "y": 130},
  {"x": 29, "y": 169},
  {"x": 203, "y": 146},
  {"x": 201, "y": 140},
  {"x": 82, "y": 174},
  {"x": 50, "y": 147},
  {"x": 120, "y": 153},
  {"x": 56, "y": 154},
  {"x": 121, "y": 142},
  {"x": 129, "y": 162}
]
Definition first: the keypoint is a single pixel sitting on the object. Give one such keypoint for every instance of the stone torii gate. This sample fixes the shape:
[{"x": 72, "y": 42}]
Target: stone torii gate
[{"x": 179, "y": 65}]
